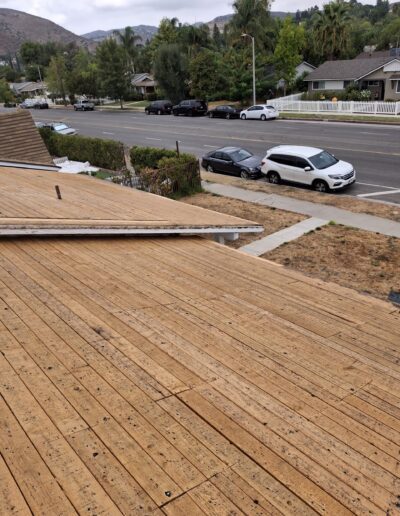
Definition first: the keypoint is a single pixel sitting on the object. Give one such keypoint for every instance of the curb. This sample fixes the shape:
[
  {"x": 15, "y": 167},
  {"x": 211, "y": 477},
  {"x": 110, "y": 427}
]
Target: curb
[{"x": 369, "y": 122}]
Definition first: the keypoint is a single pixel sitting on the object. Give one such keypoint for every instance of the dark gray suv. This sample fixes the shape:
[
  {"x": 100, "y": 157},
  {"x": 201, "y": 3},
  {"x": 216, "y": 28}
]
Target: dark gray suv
[
  {"x": 191, "y": 108},
  {"x": 159, "y": 107}
]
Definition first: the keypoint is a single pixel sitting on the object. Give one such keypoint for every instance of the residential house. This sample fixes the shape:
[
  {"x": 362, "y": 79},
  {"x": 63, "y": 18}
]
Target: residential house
[
  {"x": 144, "y": 83},
  {"x": 28, "y": 89},
  {"x": 302, "y": 70},
  {"x": 381, "y": 75},
  {"x": 146, "y": 370}
]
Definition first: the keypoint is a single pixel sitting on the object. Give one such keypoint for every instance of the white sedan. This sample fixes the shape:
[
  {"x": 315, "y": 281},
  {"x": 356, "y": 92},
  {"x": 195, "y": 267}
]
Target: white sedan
[
  {"x": 61, "y": 128},
  {"x": 259, "y": 112}
]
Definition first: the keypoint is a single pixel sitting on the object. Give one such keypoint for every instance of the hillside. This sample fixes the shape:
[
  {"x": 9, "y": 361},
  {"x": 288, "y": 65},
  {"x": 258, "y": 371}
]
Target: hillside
[
  {"x": 17, "y": 27},
  {"x": 147, "y": 32}
]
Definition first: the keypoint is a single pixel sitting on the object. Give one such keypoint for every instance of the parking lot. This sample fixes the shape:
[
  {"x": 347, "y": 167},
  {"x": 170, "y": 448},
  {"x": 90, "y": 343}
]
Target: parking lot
[{"x": 374, "y": 150}]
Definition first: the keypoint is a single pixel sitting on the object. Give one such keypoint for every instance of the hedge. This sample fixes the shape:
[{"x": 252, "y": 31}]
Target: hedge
[
  {"x": 107, "y": 154},
  {"x": 148, "y": 157}
]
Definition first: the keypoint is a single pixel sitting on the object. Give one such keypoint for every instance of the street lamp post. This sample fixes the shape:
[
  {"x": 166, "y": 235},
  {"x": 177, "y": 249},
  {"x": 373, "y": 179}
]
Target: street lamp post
[{"x": 254, "y": 65}]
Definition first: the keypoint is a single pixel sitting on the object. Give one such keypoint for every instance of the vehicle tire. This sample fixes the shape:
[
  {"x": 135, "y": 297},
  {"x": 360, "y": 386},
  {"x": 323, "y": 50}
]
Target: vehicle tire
[
  {"x": 210, "y": 115},
  {"x": 243, "y": 117},
  {"x": 159, "y": 112},
  {"x": 147, "y": 112},
  {"x": 210, "y": 168},
  {"x": 174, "y": 113},
  {"x": 75, "y": 108},
  {"x": 244, "y": 174},
  {"x": 228, "y": 116},
  {"x": 273, "y": 178},
  {"x": 321, "y": 186},
  {"x": 263, "y": 118}
]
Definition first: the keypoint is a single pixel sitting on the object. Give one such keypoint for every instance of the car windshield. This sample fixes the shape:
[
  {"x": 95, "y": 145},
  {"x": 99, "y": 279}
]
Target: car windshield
[
  {"x": 60, "y": 127},
  {"x": 323, "y": 160},
  {"x": 240, "y": 155}
]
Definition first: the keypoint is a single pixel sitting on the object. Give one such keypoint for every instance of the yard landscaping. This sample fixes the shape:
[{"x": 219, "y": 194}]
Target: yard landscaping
[
  {"x": 340, "y": 200},
  {"x": 367, "y": 262},
  {"x": 289, "y": 115},
  {"x": 272, "y": 219},
  {"x": 362, "y": 260}
]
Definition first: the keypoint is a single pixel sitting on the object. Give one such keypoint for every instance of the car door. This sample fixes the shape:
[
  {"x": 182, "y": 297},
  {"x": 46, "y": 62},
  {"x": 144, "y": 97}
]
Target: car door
[
  {"x": 217, "y": 162},
  {"x": 220, "y": 112},
  {"x": 252, "y": 112},
  {"x": 182, "y": 108},
  {"x": 291, "y": 169},
  {"x": 299, "y": 174},
  {"x": 228, "y": 165},
  {"x": 281, "y": 164}
]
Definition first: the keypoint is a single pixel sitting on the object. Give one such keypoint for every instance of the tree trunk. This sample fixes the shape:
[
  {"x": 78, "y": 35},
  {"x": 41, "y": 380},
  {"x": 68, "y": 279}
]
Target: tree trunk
[{"x": 121, "y": 101}]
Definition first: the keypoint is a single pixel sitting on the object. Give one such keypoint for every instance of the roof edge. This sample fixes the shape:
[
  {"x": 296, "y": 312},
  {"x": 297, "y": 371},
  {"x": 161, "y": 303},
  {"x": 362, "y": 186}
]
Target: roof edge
[{"x": 31, "y": 166}]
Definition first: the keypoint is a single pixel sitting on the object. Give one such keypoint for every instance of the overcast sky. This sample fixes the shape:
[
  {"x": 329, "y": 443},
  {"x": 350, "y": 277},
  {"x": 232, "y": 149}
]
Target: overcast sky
[{"x": 81, "y": 16}]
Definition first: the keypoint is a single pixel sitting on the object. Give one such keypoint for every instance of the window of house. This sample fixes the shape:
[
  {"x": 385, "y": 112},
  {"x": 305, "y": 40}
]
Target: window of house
[
  {"x": 398, "y": 87},
  {"x": 318, "y": 85},
  {"x": 346, "y": 83},
  {"x": 373, "y": 83}
]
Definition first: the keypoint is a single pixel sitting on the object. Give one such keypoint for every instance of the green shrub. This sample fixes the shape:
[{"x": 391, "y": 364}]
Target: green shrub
[
  {"x": 148, "y": 157},
  {"x": 107, "y": 154}
]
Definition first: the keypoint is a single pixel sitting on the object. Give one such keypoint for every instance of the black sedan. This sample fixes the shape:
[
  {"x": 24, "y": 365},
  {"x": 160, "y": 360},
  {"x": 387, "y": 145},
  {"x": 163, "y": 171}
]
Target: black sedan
[
  {"x": 234, "y": 161},
  {"x": 227, "y": 112}
]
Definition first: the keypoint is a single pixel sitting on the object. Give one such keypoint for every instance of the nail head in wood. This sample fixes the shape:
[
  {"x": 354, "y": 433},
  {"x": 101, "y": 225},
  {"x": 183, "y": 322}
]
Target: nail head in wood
[{"x": 58, "y": 192}]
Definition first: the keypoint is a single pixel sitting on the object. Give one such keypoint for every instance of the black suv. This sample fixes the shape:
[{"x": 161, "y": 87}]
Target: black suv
[
  {"x": 190, "y": 108},
  {"x": 159, "y": 107}
]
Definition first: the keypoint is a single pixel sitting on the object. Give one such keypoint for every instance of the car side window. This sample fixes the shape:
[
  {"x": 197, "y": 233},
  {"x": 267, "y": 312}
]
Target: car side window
[
  {"x": 259, "y": 108},
  {"x": 252, "y": 108},
  {"x": 301, "y": 163},
  {"x": 225, "y": 157},
  {"x": 277, "y": 158},
  {"x": 217, "y": 155}
]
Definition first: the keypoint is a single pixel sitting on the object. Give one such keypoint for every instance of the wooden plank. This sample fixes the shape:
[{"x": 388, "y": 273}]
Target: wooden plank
[
  {"x": 11, "y": 498},
  {"x": 212, "y": 501},
  {"x": 183, "y": 506}
]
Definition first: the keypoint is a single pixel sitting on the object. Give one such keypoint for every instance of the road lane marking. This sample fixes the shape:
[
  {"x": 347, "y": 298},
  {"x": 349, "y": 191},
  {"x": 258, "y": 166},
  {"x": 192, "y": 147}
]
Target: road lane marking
[
  {"x": 105, "y": 132},
  {"x": 211, "y": 146},
  {"x": 156, "y": 139},
  {"x": 377, "y": 186},
  {"x": 372, "y": 194}
]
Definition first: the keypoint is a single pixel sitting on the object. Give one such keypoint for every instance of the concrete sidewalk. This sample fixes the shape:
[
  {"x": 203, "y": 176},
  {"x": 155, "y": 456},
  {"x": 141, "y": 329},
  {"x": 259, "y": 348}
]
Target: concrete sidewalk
[{"x": 311, "y": 209}]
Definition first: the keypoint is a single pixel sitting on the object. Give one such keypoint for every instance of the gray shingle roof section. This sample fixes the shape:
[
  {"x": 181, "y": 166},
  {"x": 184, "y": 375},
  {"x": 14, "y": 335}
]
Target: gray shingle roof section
[{"x": 347, "y": 70}]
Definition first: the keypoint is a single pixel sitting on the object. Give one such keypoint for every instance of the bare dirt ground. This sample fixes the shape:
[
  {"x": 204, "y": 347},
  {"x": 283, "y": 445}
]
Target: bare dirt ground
[
  {"x": 367, "y": 262},
  {"x": 272, "y": 219},
  {"x": 345, "y": 202}
]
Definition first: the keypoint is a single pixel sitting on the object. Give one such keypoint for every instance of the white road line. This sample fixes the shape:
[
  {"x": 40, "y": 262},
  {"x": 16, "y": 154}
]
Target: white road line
[
  {"x": 378, "y": 186},
  {"x": 372, "y": 194},
  {"x": 105, "y": 132},
  {"x": 156, "y": 139},
  {"x": 211, "y": 146}
]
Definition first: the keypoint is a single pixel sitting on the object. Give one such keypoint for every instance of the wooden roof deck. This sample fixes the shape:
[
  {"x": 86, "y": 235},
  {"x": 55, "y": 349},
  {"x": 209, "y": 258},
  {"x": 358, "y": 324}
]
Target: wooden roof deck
[
  {"x": 179, "y": 377},
  {"x": 28, "y": 203}
]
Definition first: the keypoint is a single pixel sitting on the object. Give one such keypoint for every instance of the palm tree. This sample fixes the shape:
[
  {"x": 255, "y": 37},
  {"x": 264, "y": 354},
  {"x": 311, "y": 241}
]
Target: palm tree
[
  {"x": 129, "y": 41},
  {"x": 331, "y": 30},
  {"x": 250, "y": 17}
]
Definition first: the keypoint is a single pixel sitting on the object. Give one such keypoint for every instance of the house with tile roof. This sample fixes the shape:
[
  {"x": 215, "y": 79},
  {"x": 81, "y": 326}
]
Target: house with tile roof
[{"x": 381, "y": 75}]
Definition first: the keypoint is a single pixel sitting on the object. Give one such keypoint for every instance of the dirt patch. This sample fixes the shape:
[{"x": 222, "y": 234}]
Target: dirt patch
[
  {"x": 338, "y": 200},
  {"x": 272, "y": 219},
  {"x": 367, "y": 262}
]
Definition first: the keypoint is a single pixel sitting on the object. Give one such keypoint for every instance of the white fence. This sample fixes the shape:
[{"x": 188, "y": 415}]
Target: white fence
[{"x": 343, "y": 107}]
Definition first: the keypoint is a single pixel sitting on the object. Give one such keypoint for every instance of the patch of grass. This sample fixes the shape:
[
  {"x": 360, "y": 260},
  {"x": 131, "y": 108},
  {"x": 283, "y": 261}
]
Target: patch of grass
[{"x": 340, "y": 118}]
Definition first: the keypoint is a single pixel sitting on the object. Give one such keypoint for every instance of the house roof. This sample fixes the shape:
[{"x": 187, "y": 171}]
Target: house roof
[
  {"x": 20, "y": 141},
  {"x": 139, "y": 374},
  {"x": 29, "y": 205},
  {"x": 143, "y": 78},
  {"x": 349, "y": 69},
  {"x": 26, "y": 87}
]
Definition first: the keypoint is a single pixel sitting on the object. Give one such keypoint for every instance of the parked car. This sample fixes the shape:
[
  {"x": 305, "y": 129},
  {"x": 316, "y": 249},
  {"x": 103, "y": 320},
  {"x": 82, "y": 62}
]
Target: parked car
[
  {"x": 159, "y": 107},
  {"x": 84, "y": 105},
  {"x": 10, "y": 104},
  {"x": 227, "y": 112},
  {"x": 309, "y": 166},
  {"x": 190, "y": 108},
  {"x": 28, "y": 103},
  {"x": 234, "y": 161},
  {"x": 61, "y": 128},
  {"x": 259, "y": 112},
  {"x": 41, "y": 104}
]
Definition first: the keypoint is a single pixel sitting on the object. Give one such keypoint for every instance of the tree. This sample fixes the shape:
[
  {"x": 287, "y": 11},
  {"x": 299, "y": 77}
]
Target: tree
[
  {"x": 167, "y": 34},
  {"x": 83, "y": 78},
  {"x": 288, "y": 51},
  {"x": 129, "y": 41},
  {"x": 331, "y": 30},
  {"x": 170, "y": 71},
  {"x": 56, "y": 76},
  {"x": 5, "y": 92},
  {"x": 251, "y": 17},
  {"x": 114, "y": 74},
  {"x": 390, "y": 34},
  {"x": 207, "y": 75}
]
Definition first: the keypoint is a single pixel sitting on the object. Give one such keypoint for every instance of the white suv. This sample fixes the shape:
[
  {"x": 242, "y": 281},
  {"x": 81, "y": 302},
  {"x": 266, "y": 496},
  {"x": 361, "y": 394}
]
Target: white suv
[
  {"x": 259, "y": 112},
  {"x": 307, "y": 165}
]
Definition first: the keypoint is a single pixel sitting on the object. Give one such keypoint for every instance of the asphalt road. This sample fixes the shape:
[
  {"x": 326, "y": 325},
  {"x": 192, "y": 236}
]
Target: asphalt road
[{"x": 374, "y": 150}]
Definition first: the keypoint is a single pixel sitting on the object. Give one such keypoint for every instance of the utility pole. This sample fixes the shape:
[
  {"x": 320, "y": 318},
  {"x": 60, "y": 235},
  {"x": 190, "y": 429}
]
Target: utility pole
[{"x": 254, "y": 65}]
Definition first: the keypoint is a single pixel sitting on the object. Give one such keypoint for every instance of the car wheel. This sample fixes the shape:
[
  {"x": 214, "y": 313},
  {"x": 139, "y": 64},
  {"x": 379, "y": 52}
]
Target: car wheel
[
  {"x": 274, "y": 178},
  {"x": 159, "y": 112},
  {"x": 75, "y": 109},
  {"x": 174, "y": 113},
  {"x": 263, "y": 118},
  {"x": 243, "y": 117},
  {"x": 210, "y": 115},
  {"x": 244, "y": 174},
  {"x": 147, "y": 112},
  {"x": 210, "y": 168},
  {"x": 228, "y": 116},
  {"x": 321, "y": 186}
]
